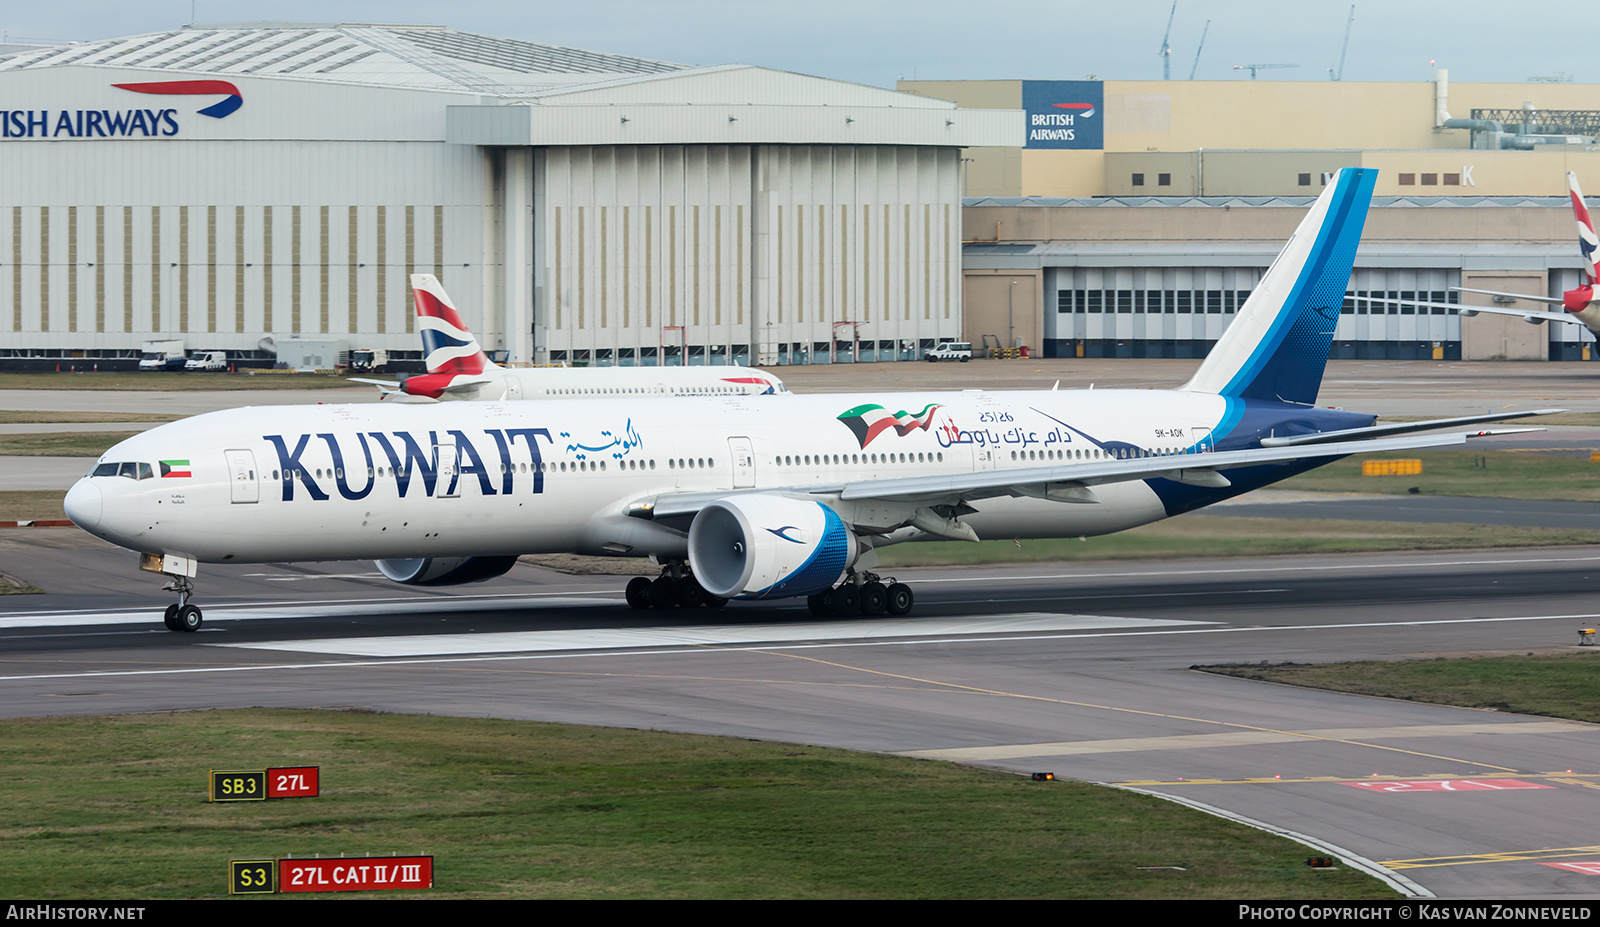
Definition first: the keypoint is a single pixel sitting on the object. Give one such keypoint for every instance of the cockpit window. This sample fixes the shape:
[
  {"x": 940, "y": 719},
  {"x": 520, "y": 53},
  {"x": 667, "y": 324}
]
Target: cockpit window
[{"x": 133, "y": 471}]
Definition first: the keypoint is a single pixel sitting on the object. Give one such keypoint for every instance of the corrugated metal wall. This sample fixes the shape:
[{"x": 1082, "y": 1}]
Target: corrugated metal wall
[
  {"x": 744, "y": 246},
  {"x": 220, "y": 242}
]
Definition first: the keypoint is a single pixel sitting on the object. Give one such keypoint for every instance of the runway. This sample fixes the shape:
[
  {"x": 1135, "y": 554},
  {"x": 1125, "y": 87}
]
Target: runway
[{"x": 1082, "y": 670}]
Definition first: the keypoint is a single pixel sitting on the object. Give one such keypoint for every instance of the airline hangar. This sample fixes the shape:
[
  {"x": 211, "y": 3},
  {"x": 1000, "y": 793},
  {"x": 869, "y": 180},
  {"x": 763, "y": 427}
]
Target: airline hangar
[{"x": 218, "y": 184}]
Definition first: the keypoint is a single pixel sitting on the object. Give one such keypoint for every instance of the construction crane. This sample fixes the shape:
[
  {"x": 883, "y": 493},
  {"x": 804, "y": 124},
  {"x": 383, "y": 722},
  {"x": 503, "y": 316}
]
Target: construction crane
[
  {"x": 1198, "y": 49},
  {"x": 1339, "y": 74},
  {"x": 1253, "y": 68},
  {"x": 1166, "y": 46}
]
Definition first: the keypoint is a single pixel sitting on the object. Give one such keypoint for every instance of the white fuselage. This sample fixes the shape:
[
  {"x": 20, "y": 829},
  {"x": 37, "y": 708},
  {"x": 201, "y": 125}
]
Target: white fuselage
[{"x": 344, "y": 482}]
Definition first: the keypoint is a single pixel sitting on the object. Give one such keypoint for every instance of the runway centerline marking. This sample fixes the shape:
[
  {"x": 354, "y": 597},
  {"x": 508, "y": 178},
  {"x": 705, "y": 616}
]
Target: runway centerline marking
[
  {"x": 703, "y": 635},
  {"x": 701, "y": 650}
]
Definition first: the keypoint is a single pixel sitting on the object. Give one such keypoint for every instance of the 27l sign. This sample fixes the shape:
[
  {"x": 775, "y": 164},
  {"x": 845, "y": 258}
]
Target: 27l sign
[{"x": 262, "y": 784}]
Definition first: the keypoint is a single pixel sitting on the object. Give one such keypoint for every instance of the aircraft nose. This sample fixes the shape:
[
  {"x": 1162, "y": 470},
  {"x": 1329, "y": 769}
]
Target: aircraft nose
[{"x": 83, "y": 504}]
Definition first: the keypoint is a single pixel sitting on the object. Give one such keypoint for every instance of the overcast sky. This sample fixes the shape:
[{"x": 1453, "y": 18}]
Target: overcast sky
[{"x": 879, "y": 41}]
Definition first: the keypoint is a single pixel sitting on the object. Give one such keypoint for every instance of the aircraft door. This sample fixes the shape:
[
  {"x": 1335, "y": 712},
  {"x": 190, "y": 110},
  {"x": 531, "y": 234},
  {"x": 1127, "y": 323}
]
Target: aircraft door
[
  {"x": 983, "y": 458},
  {"x": 744, "y": 463},
  {"x": 242, "y": 476},
  {"x": 513, "y": 387},
  {"x": 449, "y": 464},
  {"x": 1200, "y": 440}
]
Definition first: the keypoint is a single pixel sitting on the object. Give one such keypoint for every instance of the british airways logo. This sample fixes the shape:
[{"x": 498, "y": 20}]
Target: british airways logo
[
  {"x": 231, "y": 98},
  {"x": 121, "y": 123}
]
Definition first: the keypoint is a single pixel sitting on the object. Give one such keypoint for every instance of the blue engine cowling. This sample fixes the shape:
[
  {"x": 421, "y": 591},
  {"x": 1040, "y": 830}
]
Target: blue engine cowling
[
  {"x": 445, "y": 571},
  {"x": 763, "y": 546}
]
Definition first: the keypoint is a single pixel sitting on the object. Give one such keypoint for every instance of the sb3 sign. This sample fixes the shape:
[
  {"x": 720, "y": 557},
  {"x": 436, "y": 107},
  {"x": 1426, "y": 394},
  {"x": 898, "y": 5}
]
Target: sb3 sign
[{"x": 262, "y": 784}]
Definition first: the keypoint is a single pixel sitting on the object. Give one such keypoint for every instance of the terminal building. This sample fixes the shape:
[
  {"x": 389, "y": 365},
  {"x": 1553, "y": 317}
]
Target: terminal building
[
  {"x": 244, "y": 187},
  {"x": 1131, "y": 218}
]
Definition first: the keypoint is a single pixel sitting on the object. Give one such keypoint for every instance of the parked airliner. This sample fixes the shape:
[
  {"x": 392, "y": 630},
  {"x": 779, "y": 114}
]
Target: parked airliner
[
  {"x": 1580, "y": 306},
  {"x": 743, "y": 497},
  {"x": 458, "y": 368}
]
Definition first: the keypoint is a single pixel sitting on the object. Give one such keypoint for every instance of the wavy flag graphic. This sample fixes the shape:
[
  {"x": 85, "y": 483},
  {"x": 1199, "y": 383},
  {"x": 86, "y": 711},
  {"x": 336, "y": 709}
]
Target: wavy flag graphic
[
  {"x": 232, "y": 101},
  {"x": 870, "y": 420}
]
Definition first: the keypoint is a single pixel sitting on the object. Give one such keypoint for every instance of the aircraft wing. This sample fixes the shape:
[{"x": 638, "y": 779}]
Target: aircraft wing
[
  {"x": 1065, "y": 482},
  {"x": 1552, "y": 300},
  {"x": 1531, "y": 316}
]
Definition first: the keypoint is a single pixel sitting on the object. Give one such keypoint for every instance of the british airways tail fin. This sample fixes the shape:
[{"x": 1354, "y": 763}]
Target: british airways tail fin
[
  {"x": 1587, "y": 241},
  {"x": 1277, "y": 346},
  {"x": 447, "y": 344}
]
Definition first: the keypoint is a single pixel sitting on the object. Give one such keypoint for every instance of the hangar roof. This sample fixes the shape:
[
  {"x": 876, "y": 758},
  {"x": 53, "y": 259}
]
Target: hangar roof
[{"x": 398, "y": 56}]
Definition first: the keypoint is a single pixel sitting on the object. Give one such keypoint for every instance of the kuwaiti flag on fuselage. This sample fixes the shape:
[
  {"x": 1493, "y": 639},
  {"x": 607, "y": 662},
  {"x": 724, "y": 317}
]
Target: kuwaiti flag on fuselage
[
  {"x": 869, "y": 420},
  {"x": 1277, "y": 346},
  {"x": 448, "y": 345}
]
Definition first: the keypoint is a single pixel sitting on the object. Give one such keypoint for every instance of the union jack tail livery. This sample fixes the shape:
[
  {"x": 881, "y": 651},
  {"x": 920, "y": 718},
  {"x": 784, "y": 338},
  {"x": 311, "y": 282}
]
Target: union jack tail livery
[
  {"x": 1587, "y": 241},
  {"x": 451, "y": 352},
  {"x": 448, "y": 345}
]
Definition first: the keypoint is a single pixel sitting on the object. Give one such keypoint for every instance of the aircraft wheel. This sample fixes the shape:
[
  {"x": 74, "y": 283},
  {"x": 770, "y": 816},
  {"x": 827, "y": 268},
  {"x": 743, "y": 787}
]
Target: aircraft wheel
[
  {"x": 638, "y": 592},
  {"x": 819, "y": 605},
  {"x": 188, "y": 618},
  {"x": 663, "y": 593},
  {"x": 900, "y": 599},
  {"x": 170, "y": 619},
  {"x": 690, "y": 593},
  {"x": 846, "y": 601},
  {"x": 715, "y": 601},
  {"x": 874, "y": 599}
]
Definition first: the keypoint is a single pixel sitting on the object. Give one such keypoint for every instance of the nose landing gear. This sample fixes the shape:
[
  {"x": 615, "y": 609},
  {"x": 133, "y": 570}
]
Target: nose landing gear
[{"x": 182, "y": 616}]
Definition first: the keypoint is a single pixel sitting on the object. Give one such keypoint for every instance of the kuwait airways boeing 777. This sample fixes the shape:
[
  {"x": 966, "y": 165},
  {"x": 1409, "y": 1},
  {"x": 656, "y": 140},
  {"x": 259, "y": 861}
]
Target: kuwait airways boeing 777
[
  {"x": 459, "y": 369},
  {"x": 744, "y": 497}
]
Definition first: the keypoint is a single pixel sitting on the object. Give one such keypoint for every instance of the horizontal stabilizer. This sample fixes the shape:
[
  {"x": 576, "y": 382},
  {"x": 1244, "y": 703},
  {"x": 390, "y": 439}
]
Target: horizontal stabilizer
[{"x": 1402, "y": 428}]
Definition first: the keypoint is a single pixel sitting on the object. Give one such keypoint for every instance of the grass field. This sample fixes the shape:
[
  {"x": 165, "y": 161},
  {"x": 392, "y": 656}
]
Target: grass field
[
  {"x": 176, "y": 381},
  {"x": 114, "y": 807},
  {"x": 1560, "y": 685},
  {"x": 33, "y": 417},
  {"x": 61, "y": 443},
  {"x": 31, "y": 505},
  {"x": 1493, "y": 474},
  {"x": 1201, "y": 535}
]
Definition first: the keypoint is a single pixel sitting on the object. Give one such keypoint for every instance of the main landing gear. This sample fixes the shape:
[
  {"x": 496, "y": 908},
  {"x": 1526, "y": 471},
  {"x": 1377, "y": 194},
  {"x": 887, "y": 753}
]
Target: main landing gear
[
  {"x": 675, "y": 588},
  {"x": 182, "y": 616},
  {"x": 863, "y": 594}
]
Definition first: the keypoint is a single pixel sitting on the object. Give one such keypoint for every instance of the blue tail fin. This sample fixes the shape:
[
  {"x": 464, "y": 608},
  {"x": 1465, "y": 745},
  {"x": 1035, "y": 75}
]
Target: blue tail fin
[{"x": 1277, "y": 346}]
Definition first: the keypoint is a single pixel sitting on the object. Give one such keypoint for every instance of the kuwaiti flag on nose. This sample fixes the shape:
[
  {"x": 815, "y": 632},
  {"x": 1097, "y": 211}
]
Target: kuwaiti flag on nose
[
  {"x": 174, "y": 469},
  {"x": 870, "y": 420}
]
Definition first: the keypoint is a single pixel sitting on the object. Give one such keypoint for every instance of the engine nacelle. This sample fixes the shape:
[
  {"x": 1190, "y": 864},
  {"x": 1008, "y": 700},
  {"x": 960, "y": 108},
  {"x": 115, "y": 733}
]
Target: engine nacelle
[
  {"x": 445, "y": 571},
  {"x": 762, "y": 546}
]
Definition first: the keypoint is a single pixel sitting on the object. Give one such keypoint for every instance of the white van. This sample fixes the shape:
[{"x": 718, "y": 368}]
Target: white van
[
  {"x": 949, "y": 350},
  {"x": 207, "y": 360}
]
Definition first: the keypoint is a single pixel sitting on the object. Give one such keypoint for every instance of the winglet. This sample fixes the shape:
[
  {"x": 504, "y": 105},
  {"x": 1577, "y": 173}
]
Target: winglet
[{"x": 1277, "y": 346}]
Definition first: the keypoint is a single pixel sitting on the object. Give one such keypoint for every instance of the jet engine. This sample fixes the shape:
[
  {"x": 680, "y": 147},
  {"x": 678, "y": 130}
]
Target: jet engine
[
  {"x": 763, "y": 546},
  {"x": 445, "y": 571}
]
